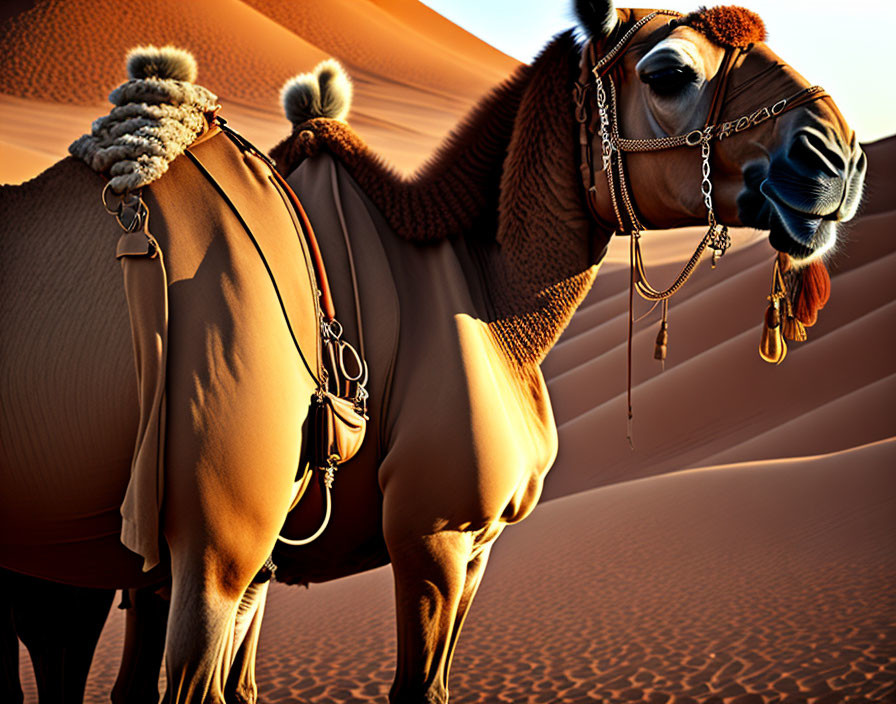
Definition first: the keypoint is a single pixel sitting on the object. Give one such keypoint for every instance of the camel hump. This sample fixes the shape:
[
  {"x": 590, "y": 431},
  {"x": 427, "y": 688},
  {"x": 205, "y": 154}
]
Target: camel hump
[{"x": 325, "y": 92}]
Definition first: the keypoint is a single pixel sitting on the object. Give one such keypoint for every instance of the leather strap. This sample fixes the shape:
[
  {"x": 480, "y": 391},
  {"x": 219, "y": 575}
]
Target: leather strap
[
  {"x": 718, "y": 95},
  {"x": 326, "y": 296},
  {"x": 328, "y": 308}
]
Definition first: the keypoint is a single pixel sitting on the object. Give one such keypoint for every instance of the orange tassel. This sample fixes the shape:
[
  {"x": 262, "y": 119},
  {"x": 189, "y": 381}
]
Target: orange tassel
[
  {"x": 794, "y": 330},
  {"x": 814, "y": 292}
]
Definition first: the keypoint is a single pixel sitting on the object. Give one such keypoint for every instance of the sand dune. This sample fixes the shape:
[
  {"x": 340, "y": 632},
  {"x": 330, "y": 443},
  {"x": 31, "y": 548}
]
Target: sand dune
[
  {"x": 405, "y": 101},
  {"x": 21, "y": 163},
  {"x": 372, "y": 36},
  {"x": 881, "y": 179},
  {"x": 758, "y": 582}
]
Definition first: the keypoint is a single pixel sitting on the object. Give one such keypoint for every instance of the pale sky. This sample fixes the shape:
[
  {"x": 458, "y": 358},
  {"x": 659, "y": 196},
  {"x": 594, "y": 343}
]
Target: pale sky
[{"x": 846, "y": 46}]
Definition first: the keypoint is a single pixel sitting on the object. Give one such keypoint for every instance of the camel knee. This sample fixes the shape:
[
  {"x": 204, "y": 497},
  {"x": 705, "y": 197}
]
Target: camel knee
[
  {"x": 206, "y": 631},
  {"x": 199, "y": 643}
]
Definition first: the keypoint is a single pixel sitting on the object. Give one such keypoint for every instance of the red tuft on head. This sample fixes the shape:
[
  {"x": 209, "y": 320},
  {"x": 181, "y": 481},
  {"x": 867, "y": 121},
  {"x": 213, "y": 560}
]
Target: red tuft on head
[{"x": 728, "y": 25}]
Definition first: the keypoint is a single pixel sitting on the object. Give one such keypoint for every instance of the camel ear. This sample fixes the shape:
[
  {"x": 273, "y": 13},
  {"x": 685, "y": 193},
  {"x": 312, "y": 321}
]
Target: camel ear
[{"x": 597, "y": 16}]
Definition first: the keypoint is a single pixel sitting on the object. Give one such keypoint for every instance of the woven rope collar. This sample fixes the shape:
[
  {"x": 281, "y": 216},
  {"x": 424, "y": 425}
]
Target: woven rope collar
[{"x": 154, "y": 120}]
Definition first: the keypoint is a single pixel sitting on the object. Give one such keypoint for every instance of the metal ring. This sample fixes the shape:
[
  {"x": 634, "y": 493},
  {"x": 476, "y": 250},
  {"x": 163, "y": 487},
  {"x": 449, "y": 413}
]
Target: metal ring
[
  {"x": 354, "y": 353},
  {"x": 105, "y": 204},
  {"x": 141, "y": 213},
  {"x": 694, "y": 138},
  {"x": 334, "y": 328}
]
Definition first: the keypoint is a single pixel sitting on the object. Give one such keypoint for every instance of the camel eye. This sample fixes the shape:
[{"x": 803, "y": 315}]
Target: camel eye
[{"x": 669, "y": 81}]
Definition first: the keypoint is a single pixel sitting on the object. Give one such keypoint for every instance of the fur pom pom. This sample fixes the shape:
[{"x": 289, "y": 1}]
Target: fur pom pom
[
  {"x": 325, "y": 92},
  {"x": 165, "y": 62},
  {"x": 814, "y": 292},
  {"x": 728, "y": 26}
]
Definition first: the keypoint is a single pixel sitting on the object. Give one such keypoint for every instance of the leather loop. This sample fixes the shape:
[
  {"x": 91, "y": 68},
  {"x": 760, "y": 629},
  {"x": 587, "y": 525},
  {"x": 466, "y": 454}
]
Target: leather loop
[{"x": 135, "y": 244}]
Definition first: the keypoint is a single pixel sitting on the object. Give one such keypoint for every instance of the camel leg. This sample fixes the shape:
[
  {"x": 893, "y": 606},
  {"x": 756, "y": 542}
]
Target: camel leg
[
  {"x": 241, "y": 687},
  {"x": 201, "y": 625},
  {"x": 208, "y": 586},
  {"x": 10, "y": 685},
  {"x": 436, "y": 577},
  {"x": 475, "y": 571},
  {"x": 144, "y": 647},
  {"x": 60, "y": 625}
]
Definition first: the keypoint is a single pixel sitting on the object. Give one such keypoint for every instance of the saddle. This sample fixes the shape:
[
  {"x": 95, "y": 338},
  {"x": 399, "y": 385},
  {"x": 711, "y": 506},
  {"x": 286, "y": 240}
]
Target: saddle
[{"x": 337, "y": 417}]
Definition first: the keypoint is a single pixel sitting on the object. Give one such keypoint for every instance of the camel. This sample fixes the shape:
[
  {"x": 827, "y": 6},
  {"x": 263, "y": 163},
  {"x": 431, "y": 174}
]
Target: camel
[{"x": 469, "y": 271}]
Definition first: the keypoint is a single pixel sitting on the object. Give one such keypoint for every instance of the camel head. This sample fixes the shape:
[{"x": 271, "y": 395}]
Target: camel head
[{"x": 782, "y": 157}]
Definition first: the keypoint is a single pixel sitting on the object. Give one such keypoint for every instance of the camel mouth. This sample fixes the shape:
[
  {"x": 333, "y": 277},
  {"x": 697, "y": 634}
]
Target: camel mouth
[
  {"x": 792, "y": 230},
  {"x": 799, "y": 226},
  {"x": 801, "y": 192}
]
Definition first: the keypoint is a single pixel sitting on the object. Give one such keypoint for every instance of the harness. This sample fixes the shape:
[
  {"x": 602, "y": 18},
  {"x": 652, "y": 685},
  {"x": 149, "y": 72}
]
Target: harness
[
  {"x": 600, "y": 75},
  {"x": 338, "y": 415}
]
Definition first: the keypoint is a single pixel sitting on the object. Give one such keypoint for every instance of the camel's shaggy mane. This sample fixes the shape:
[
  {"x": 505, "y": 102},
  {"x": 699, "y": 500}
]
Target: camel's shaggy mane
[{"x": 728, "y": 25}]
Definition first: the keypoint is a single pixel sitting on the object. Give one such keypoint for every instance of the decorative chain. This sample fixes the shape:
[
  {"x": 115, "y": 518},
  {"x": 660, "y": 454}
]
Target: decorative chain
[
  {"x": 606, "y": 143},
  {"x": 706, "y": 185},
  {"x": 648, "y": 292}
]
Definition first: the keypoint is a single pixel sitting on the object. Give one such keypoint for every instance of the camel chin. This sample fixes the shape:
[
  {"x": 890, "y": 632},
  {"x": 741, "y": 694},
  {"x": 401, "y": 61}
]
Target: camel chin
[{"x": 803, "y": 215}]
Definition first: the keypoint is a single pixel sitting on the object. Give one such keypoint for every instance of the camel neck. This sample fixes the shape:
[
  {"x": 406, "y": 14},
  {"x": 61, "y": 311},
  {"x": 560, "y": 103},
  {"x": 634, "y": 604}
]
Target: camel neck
[
  {"x": 507, "y": 181},
  {"x": 545, "y": 261}
]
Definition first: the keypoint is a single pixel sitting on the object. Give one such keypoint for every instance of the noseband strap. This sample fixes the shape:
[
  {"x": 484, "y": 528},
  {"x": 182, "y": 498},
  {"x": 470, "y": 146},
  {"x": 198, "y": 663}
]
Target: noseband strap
[{"x": 600, "y": 118}]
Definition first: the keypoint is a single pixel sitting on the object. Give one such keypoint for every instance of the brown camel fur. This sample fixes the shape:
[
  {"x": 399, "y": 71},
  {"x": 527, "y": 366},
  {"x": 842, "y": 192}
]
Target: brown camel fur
[{"x": 469, "y": 272}]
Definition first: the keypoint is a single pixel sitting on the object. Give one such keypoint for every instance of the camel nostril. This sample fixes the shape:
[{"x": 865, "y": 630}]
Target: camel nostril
[
  {"x": 861, "y": 165},
  {"x": 812, "y": 151}
]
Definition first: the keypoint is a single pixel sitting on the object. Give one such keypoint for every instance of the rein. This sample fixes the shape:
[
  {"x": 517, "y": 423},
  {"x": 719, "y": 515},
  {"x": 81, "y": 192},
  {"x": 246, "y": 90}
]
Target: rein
[{"x": 598, "y": 74}]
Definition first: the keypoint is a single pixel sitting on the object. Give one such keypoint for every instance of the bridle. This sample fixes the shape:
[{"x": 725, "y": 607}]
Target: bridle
[{"x": 597, "y": 74}]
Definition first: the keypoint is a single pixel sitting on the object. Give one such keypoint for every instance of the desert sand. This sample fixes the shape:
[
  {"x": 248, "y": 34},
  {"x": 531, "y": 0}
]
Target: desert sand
[{"x": 743, "y": 552}]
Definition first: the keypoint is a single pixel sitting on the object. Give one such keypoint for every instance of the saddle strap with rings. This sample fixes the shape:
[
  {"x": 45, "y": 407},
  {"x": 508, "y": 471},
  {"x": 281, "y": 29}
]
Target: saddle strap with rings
[
  {"x": 597, "y": 76},
  {"x": 146, "y": 291},
  {"x": 337, "y": 416}
]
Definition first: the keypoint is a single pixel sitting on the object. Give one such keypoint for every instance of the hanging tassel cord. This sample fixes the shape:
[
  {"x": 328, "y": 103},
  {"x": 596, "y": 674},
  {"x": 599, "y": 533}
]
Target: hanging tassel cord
[{"x": 716, "y": 238}]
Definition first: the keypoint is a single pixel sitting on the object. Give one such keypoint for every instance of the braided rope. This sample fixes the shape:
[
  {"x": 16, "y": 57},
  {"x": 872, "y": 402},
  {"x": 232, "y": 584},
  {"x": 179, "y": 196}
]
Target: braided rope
[{"x": 153, "y": 122}]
